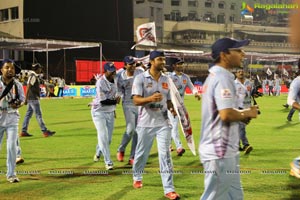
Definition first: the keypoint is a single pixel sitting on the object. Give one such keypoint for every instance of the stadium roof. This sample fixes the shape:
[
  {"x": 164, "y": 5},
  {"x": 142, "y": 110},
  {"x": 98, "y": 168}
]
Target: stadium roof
[{"x": 43, "y": 45}]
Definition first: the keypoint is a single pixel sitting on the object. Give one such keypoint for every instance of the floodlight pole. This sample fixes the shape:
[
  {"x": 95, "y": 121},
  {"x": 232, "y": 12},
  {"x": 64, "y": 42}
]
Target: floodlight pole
[
  {"x": 47, "y": 60},
  {"x": 65, "y": 67},
  {"x": 100, "y": 45}
]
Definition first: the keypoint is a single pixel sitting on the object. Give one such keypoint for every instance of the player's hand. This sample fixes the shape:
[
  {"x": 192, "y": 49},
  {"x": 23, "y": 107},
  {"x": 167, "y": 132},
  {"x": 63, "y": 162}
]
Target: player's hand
[
  {"x": 172, "y": 110},
  {"x": 197, "y": 96},
  {"x": 118, "y": 99},
  {"x": 156, "y": 97},
  {"x": 246, "y": 121}
]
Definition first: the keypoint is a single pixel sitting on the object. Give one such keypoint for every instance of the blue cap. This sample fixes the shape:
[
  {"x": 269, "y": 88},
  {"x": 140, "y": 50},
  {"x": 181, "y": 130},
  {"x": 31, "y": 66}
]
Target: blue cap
[
  {"x": 225, "y": 44},
  {"x": 155, "y": 54},
  {"x": 129, "y": 60},
  {"x": 17, "y": 67},
  {"x": 178, "y": 61},
  {"x": 110, "y": 67}
]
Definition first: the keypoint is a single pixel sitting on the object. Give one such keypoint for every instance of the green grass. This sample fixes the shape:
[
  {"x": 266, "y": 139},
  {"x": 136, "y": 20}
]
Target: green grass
[{"x": 59, "y": 165}]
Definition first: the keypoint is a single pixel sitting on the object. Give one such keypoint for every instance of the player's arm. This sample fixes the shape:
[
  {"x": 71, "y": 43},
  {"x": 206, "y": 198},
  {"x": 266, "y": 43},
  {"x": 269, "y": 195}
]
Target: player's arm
[
  {"x": 140, "y": 101},
  {"x": 234, "y": 115},
  {"x": 193, "y": 89}
]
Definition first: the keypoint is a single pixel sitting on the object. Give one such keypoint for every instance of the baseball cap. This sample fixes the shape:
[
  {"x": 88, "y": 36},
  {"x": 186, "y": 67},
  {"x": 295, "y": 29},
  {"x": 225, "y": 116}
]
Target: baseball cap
[
  {"x": 178, "y": 61},
  {"x": 155, "y": 54},
  {"x": 129, "y": 60},
  {"x": 17, "y": 67},
  {"x": 225, "y": 44},
  {"x": 109, "y": 66},
  {"x": 36, "y": 66}
]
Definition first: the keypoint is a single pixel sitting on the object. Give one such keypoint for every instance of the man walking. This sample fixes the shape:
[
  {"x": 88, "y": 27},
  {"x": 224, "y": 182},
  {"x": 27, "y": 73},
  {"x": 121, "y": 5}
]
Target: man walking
[
  {"x": 151, "y": 93},
  {"x": 124, "y": 82},
  {"x": 243, "y": 89},
  {"x": 181, "y": 81},
  {"x": 32, "y": 100},
  {"x": 218, "y": 148},
  {"x": 12, "y": 97}
]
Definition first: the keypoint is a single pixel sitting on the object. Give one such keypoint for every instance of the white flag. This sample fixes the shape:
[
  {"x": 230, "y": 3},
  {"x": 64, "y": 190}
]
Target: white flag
[
  {"x": 269, "y": 72},
  {"x": 285, "y": 72},
  {"x": 183, "y": 116},
  {"x": 146, "y": 35}
]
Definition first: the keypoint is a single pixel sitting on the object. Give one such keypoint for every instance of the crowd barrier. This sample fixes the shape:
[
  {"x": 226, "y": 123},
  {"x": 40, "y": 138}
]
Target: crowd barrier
[{"x": 90, "y": 90}]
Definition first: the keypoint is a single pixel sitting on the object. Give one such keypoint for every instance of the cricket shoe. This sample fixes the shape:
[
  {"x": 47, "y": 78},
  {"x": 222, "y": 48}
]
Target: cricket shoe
[
  {"x": 96, "y": 158},
  {"x": 137, "y": 184},
  {"x": 109, "y": 167},
  {"x": 247, "y": 149},
  {"x": 120, "y": 156},
  {"x": 172, "y": 196},
  {"x": 13, "y": 179},
  {"x": 48, "y": 133},
  {"x": 24, "y": 134},
  {"x": 131, "y": 161},
  {"x": 19, "y": 160}
]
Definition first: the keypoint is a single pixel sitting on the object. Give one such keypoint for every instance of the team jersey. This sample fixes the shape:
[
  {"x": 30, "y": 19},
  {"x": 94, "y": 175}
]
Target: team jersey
[
  {"x": 294, "y": 91},
  {"x": 104, "y": 90},
  {"x": 182, "y": 82},
  {"x": 152, "y": 114},
  {"x": 243, "y": 91},
  {"x": 124, "y": 84},
  {"x": 218, "y": 139}
]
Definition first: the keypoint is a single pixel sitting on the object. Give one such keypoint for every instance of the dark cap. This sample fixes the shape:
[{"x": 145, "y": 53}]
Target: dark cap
[
  {"x": 178, "y": 61},
  {"x": 225, "y": 44},
  {"x": 109, "y": 66},
  {"x": 129, "y": 60},
  {"x": 36, "y": 66},
  {"x": 155, "y": 54},
  {"x": 17, "y": 67}
]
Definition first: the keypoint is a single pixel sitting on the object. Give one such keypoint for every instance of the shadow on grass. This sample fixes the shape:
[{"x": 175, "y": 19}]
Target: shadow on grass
[
  {"x": 69, "y": 122},
  {"x": 286, "y": 125},
  {"x": 294, "y": 187}
]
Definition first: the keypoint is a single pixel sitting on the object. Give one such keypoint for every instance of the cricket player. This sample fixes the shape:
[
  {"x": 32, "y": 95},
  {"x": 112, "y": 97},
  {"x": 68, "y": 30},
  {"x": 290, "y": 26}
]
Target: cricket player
[
  {"x": 218, "y": 148},
  {"x": 103, "y": 112},
  {"x": 294, "y": 101},
  {"x": 151, "y": 93},
  {"x": 181, "y": 81},
  {"x": 243, "y": 89},
  {"x": 124, "y": 83}
]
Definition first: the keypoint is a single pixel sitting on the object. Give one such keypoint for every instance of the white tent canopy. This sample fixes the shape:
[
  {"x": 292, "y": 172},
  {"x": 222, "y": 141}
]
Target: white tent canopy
[{"x": 45, "y": 45}]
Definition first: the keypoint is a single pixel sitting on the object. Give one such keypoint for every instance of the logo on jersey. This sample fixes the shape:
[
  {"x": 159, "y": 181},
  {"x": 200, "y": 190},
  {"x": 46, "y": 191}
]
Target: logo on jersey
[
  {"x": 226, "y": 94},
  {"x": 149, "y": 85},
  {"x": 165, "y": 85},
  {"x": 184, "y": 81}
]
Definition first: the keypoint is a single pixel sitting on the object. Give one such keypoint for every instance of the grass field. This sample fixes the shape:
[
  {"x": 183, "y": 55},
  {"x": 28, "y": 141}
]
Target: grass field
[{"x": 62, "y": 167}]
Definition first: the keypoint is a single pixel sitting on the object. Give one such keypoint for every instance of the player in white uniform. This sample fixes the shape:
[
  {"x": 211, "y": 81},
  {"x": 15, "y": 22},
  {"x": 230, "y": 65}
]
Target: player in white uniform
[
  {"x": 277, "y": 87},
  {"x": 151, "y": 93},
  {"x": 219, "y": 149},
  {"x": 181, "y": 81},
  {"x": 9, "y": 114},
  {"x": 294, "y": 101},
  {"x": 243, "y": 89},
  {"x": 124, "y": 82},
  {"x": 103, "y": 112}
]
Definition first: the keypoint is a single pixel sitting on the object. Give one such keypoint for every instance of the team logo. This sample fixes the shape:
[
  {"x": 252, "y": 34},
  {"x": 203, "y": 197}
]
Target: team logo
[
  {"x": 149, "y": 85},
  {"x": 226, "y": 94},
  {"x": 165, "y": 85},
  {"x": 184, "y": 81}
]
